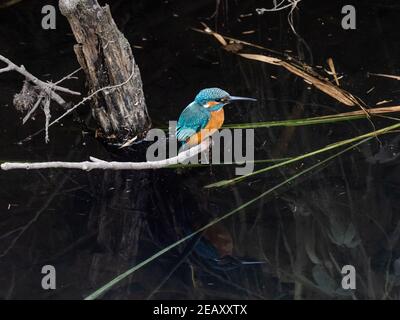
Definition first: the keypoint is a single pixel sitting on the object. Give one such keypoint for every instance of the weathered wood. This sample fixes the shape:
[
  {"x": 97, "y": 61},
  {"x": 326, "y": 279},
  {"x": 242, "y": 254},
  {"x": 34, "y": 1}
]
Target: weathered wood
[{"x": 106, "y": 57}]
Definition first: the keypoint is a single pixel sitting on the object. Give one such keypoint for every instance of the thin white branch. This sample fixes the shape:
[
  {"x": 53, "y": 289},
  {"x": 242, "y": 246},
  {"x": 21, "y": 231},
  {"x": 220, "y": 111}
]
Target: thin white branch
[
  {"x": 69, "y": 76},
  {"x": 6, "y": 69},
  {"x": 113, "y": 165},
  {"x": 279, "y": 6},
  {"x": 31, "y": 111},
  {"x": 46, "y": 110},
  {"x": 82, "y": 102}
]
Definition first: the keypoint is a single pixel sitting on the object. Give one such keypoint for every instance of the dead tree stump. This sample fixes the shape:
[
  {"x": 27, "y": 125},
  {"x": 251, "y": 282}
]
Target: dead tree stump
[{"x": 107, "y": 60}]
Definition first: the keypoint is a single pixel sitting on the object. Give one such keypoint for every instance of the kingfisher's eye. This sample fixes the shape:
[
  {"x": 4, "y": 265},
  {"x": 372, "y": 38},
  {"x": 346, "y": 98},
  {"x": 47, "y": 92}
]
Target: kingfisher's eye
[{"x": 221, "y": 100}]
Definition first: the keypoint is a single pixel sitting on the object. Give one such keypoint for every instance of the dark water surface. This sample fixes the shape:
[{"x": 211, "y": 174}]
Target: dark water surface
[{"x": 93, "y": 226}]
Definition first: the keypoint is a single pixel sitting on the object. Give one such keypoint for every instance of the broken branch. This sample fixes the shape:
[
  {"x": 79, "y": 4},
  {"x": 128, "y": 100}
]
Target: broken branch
[{"x": 45, "y": 86}]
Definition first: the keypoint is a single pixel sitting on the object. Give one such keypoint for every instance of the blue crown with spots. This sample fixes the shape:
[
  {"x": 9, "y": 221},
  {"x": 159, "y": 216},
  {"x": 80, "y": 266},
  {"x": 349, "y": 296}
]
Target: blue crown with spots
[{"x": 210, "y": 94}]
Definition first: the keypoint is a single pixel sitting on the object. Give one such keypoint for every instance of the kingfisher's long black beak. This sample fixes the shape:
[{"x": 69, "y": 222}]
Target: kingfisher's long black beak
[{"x": 234, "y": 98}]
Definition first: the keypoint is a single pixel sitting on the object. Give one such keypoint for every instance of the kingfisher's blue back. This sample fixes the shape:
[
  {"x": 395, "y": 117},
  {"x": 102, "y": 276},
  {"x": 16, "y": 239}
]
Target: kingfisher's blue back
[
  {"x": 205, "y": 113},
  {"x": 192, "y": 119}
]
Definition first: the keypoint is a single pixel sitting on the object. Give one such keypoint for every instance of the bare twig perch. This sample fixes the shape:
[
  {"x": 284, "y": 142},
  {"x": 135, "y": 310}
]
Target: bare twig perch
[
  {"x": 113, "y": 165},
  {"x": 107, "y": 60}
]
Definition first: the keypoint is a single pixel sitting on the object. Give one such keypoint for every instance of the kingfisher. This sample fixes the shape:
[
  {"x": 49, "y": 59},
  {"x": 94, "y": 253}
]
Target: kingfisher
[{"x": 204, "y": 116}]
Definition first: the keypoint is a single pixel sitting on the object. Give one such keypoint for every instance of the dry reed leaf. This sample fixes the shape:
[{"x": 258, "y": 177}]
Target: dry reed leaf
[
  {"x": 220, "y": 38},
  {"x": 9, "y": 3},
  {"x": 262, "y": 58},
  {"x": 316, "y": 80},
  {"x": 233, "y": 47},
  {"x": 383, "y": 101},
  {"x": 217, "y": 36},
  {"x": 385, "y": 76},
  {"x": 207, "y": 30},
  {"x": 323, "y": 85},
  {"x": 370, "y": 90},
  {"x": 249, "y": 32},
  {"x": 372, "y": 111}
]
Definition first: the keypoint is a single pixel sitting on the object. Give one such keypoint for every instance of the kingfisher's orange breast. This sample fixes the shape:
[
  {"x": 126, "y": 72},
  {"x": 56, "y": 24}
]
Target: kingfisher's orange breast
[{"x": 216, "y": 121}]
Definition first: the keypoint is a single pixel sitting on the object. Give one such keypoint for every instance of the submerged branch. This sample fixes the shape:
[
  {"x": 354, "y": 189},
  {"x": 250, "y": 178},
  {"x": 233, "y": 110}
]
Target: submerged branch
[
  {"x": 112, "y": 165},
  {"x": 36, "y": 93},
  {"x": 89, "y": 97},
  {"x": 45, "y": 86}
]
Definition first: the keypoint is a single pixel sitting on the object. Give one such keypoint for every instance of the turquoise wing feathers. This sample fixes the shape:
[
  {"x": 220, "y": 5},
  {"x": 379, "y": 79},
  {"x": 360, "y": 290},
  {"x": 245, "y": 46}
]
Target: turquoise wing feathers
[{"x": 192, "y": 119}]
